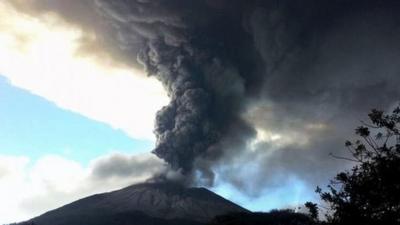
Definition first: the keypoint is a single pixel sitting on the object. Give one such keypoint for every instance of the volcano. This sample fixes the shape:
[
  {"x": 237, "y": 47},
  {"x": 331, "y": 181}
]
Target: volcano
[{"x": 144, "y": 204}]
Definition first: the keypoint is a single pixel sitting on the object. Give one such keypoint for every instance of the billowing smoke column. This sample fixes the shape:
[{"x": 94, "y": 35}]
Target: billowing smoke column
[
  {"x": 302, "y": 72},
  {"x": 195, "y": 50},
  {"x": 307, "y": 66}
]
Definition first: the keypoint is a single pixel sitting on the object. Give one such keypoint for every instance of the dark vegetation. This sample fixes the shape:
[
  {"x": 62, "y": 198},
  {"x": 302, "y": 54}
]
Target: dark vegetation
[
  {"x": 275, "y": 217},
  {"x": 369, "y": 193}
]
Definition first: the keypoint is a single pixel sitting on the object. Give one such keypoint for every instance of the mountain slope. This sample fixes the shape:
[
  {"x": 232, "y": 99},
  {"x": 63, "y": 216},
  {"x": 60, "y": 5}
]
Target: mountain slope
[{"x": 148, "y": 203}]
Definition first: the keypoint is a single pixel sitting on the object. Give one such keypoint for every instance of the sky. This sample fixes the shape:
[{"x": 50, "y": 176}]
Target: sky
[
  {"x": 26, "y": 120},
  {"x": 55, "y": 129},
  {"x": 37, "y": 136},
  {"x": 46, "y": 150},
  {"x": 56, "y": 132},
  {"x": 248, "y": 99}
]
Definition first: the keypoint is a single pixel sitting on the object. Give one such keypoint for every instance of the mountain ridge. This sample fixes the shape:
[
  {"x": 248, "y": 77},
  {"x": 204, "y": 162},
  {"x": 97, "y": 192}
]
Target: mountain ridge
[{"x": 145, "y": 203}]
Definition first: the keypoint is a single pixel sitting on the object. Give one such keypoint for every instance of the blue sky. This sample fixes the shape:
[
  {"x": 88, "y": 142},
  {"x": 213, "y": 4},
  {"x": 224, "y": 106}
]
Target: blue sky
[
  {"x": 291, "y": 194},
  {"x": 32, "y": 126}
]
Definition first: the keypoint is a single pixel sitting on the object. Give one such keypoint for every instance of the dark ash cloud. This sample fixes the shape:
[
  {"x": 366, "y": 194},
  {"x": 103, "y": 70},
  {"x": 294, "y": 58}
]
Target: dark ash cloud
[
  {"x": 314, "y": 62},
  {"x": 303, "y": 73}
]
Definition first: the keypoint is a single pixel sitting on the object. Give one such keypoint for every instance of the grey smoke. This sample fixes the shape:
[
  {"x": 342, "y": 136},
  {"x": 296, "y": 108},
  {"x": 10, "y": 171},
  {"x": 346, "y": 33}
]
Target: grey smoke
[
  {"x": 120, "y": 166},
  {"x": 234, "y": 67},
  {"x": 215, "y": 61},
  {"x": 205, "y": 79}
]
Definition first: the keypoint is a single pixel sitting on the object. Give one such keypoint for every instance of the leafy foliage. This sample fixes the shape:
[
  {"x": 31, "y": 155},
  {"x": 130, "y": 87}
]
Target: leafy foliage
[
  {"x": 313, "y": 210},
  {"x": 370, "y": 192}
]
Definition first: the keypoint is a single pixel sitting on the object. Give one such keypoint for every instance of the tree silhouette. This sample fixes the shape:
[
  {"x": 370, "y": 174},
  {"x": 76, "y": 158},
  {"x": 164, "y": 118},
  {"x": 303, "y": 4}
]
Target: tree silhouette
[
  {"x": 369, "y": 193},
  {"x": 313, "y": 210}
]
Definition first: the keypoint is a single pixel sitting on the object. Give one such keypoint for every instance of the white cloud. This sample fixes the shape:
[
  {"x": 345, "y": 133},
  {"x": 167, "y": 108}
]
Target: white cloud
[
  {"x": 11, "y": 180},
  {"x": 42, "y": 55},
  {"x": 30, "y": 189}
]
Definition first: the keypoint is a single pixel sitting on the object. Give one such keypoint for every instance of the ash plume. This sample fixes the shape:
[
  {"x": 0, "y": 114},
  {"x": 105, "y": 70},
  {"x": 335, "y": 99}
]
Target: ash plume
[
  {"x": 260, "y": 90},
  {"x": 217, "y": 59},
  {"x": 202, "y": 70}
]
